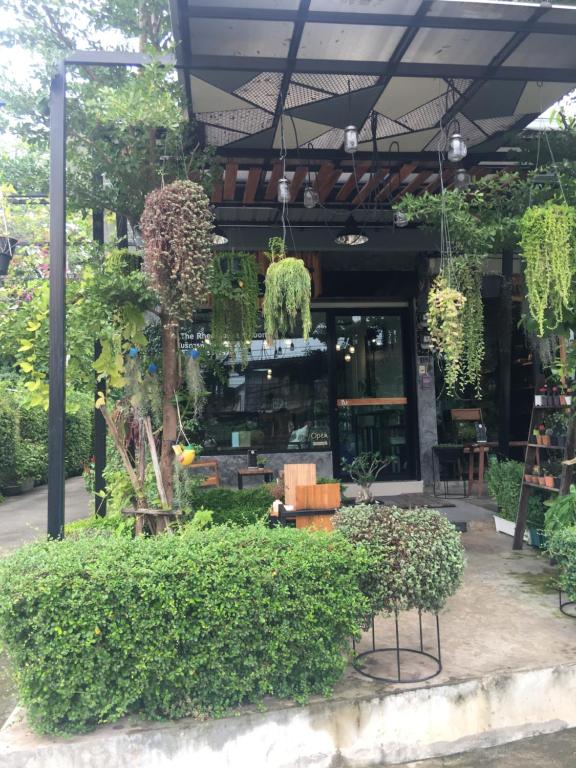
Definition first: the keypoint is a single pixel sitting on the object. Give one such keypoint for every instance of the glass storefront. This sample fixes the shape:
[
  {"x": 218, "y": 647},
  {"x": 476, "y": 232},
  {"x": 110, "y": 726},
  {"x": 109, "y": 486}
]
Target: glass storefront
[{"x": 345, "y": 389}]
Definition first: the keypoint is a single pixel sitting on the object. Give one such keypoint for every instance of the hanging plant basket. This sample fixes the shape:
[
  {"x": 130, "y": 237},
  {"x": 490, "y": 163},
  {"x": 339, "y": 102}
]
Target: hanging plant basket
[
  {"x": 445, "y": 324},
  {"x": 547, "y": 243},
  {"x": 234, "y": 288},
  {"x": 287, "y": 296}
]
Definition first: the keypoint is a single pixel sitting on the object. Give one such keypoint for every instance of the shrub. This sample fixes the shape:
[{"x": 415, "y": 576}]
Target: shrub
[
  {"x": 112, "y": 524},
  {"x": 561, "y": 513},
  {"x": 416, "y": 554},
  {"x": 504, "y": 480},
  {"x": 562, "y": 547},
  {"x": 8, "y": 441},
  {"x": 227, "y": 505},
  {"x": 171, "y": 626},
  {"x": 79, "y": 436}
]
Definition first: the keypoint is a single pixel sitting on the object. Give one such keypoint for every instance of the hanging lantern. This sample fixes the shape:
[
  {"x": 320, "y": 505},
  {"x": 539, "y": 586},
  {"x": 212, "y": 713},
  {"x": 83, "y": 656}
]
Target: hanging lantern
[
  {"x": 283, "y": 190},
  {"x": 350, "y": 139},
  {"x": 400, "y": 220},
  {"x": 462, "y": 178},
  {"x": 351, "y": 234},
  {"x": 311, "y": 197},
  {"x": 457, "y": 149}
]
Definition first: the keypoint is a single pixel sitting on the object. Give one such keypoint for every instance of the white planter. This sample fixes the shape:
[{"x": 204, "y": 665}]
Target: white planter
[{"x": 508, "y": 527}]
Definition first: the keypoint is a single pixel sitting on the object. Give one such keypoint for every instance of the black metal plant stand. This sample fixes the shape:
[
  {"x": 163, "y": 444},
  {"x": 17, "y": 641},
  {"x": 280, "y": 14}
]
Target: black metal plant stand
[
  {"x": 565, "y": 604},
  {"x": 398, "y": 650}
]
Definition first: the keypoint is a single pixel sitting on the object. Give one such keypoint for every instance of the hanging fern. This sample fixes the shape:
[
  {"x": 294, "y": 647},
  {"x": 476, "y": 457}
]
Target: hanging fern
[
  {"x": 288, "y": 294},
  {"x": 445, "y": 323},
  {"x": 548, "y": 248},
  {"x": 234, "y": 288}
]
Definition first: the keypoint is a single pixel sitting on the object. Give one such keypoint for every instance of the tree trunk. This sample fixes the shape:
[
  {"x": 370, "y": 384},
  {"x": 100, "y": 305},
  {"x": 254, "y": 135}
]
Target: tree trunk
[{"x": 169, "y": 416}]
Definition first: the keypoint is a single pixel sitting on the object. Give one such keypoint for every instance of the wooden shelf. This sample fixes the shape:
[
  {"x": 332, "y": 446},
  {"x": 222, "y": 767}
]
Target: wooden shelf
[
  {"x": 553, "y": 447},
  {"x": 551, "y": 407},
  {"x": 541, "y": 487}
]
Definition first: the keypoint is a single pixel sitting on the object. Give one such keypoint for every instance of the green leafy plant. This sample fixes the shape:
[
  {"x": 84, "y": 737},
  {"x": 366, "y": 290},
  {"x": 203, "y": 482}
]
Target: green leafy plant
[
  {"x": 446, "y": 327},
  {"x": 561, "y": 513},
  {"x": 364, "y": 470},
  {"x": 504, "y": 481},
  {"x": 226, "y": 504},
  {"x": 97, "y": 627},
  {"x": 548, "y": 249},
  {"x": 562, "y": 547},
  {"x": 287, "y": 295},
  {"x": 234, "y": 289},
  {"x": 417, "y": 558}
]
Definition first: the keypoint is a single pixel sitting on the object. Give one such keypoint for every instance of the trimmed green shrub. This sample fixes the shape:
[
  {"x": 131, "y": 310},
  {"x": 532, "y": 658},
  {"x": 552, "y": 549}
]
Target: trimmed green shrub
[
  {"x": 112, "y": 524},
  {"x": 504, "y": 481},
  {"x": 171, "y": 626},
  {"x": 416, "y": 555},
  {"x": 562, "y": 547},
  {"x": 227, "y": 505},
  {"x": 561, "y": 513},
  {"x": 8, "y": 441},
  {"x": 79, "y": 436}
]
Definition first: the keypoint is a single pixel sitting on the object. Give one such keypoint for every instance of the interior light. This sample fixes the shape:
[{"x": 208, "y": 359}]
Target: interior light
[
  {"x": 462, "y": 178},
  {"x": 350, "y": 139},
  {"x": 347, "y": 358},
  {"x": 338, "y": 347},
  {"x": 351, "y": 349},
  {"x": 283, "y": 190},
  {"x": 311, "y": 197},
  {"x": 457, "y": 149},
  {"x": 219, "y": 237},
  {"x": 351, "y": 234},
  {"x": 287, "y": 342}
]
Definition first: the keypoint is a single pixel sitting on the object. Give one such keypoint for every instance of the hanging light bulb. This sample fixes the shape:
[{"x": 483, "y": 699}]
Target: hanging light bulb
[
  {"x": 219, "y": 237},
  {"x": 287, "y": 342},
  {"x": 400, "y": 220},
  {"x": 347, "y": 358},
  {"x": 338, "y": 347},
  {"x": 351, "y": 234},
  {"x": 350, "y": 139},
  {"x": 311, "y": 197},
  {"x": 462, "y": 178},
  {"x": 351, "y": 349},
  {"x": 283, "y": 190},
  {"x": 457, "y": 149}
]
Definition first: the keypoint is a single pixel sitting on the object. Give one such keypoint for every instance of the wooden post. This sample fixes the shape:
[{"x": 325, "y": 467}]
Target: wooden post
[{"x": 505, "y": 353}]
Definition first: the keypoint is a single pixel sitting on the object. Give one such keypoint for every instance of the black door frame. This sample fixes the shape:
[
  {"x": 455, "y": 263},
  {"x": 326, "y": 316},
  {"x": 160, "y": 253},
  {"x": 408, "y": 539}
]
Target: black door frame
[{"x": 409, "y": 371}]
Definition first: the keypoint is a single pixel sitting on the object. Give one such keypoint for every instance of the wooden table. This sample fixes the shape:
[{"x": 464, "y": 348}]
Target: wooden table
[
  {"x": 480, "y": 450},
  {"x": 266, "y": 474}
]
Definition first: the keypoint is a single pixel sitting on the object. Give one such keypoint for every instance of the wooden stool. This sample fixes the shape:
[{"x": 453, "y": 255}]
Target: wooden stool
[{"x": 480, "y": 450}]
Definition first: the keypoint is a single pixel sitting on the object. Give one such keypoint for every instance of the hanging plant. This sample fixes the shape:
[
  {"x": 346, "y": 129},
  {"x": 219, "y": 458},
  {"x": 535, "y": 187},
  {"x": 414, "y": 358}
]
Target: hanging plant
[
  {"x": 194, "y": 381},
  {"x": 547, "y": 247},
  {"x": 234, "y": 288},
  {"x": 467, "y": 272},
  {"x": 177, "y": 226},
  {"x": 445, "y": 323},
  {"x": 287, "y": 295}
]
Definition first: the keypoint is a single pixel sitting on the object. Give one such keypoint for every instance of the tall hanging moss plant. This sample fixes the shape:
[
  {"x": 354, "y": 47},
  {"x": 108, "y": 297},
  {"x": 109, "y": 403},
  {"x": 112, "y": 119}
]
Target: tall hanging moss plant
[
  {"x": 445, "y": 324},
  {"x": 288, "y": 294},
  {"x": 547, "y": 242},
  {"x": 234, "y": 288}
]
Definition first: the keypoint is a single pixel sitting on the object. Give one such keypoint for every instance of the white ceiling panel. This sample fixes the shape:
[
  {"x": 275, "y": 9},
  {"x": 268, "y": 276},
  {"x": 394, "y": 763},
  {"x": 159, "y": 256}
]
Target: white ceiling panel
[
  {"x": 543, "y": 50},
  {"x": 349, "y": 42},
  {"x": 455, "y": 46},
  {"x": 240, "y": 37}
]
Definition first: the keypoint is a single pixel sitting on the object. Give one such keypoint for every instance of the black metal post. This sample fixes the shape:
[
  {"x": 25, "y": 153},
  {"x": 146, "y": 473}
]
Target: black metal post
[
  {"x": 505, "y": 353},
  {"x": 99, "y": 445},
  {"x": 57, "y": 369}
]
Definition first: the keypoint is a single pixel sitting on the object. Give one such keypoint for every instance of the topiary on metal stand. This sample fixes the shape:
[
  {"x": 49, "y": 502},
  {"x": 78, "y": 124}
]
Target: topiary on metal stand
[{"x": 177, "y": 226}]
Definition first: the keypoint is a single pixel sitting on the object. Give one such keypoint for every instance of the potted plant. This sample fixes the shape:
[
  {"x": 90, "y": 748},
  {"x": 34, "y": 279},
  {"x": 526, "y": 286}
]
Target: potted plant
[
  {"x": 504, "y": 481},
  {"x": 287, "y": 294},
  {"x": 445, "y": 325},
  {"x": 364, "y": 470}
]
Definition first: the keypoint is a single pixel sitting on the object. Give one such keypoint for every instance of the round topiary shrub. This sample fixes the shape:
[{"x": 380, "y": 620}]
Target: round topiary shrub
[{"x": 417, "y": 556}]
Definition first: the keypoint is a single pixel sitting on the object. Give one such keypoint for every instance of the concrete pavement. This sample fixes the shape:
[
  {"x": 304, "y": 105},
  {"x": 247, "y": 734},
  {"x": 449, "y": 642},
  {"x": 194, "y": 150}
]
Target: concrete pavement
[{"x": 23, "y": 518}]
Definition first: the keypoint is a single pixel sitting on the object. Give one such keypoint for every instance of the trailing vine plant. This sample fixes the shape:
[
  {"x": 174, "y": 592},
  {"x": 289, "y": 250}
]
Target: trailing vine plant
[
  {"x": 287, "y": 295},
  {"x": 234, "y": 289},
  {"x": 547, "y": 242},
  {"x": 177, "y": 226},
  {"x": 445, "y": 324}
]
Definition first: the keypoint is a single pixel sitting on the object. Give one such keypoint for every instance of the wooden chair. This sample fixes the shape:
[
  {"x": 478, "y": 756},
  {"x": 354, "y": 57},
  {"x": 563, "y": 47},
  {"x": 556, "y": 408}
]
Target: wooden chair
[
  {"x": 212, "y": 479},
  {"x": 473, "y": 449}
]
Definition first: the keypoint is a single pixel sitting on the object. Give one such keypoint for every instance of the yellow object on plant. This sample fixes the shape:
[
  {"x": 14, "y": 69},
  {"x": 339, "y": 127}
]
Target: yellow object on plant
[{"x": 187, "y": 456}]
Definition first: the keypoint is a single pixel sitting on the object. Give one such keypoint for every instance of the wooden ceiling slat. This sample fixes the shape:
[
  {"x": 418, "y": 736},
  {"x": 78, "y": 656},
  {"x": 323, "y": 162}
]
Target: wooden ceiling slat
[
  {"x": 217, "y": 190},
  {"x": 352, "y": 182},
  {"x": 415, "y": 184},
  {"x": 297, "y": 181},
  {"x": 275, "y": 176},
  {"x": 369, "y": 186},
  {"x": 395, "y": 180},
  {"x": 252, "y": 185},
  {"x": 328, "y": 184},
  {"x": 230, "y": 176},
  {"x": 324, "y": 170},
  {"x": 447, "y": 176}
]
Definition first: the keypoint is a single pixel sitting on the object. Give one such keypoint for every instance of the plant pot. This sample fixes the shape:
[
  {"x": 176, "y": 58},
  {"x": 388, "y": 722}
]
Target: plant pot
[
  {"x": 507, "y": 527},
  {"x": 527, "y": 478},
  {"x": 549, "y": 482},
  {"x": 545, "y": 439},
  {"x": 538, "y": 439},
  {"x": 568, "y": 399},
  {"x": 537, "y": 538},
  {"x": 538, "y": 400},
  {"x": 542, "y": 481}
]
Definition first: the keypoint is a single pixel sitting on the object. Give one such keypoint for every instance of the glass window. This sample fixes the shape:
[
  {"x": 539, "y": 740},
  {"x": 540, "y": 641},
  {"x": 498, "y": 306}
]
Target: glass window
[{"x": 277, "y": 402}]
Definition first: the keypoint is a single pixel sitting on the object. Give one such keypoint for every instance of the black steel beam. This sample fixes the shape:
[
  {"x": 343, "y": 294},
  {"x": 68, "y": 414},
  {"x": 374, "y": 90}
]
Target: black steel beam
[
  {"x": 374, "y": 19},
  {"x": 57, "y": 366},
  {"x": 465, "y": 71},
  {"x": 253, "y": 154}
]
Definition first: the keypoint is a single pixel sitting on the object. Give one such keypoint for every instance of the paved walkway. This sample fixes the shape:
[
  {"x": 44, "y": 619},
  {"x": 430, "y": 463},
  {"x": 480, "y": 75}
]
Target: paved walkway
[
  {"x": 23, "y": 518},
  {"x": 556, "y": 750}
]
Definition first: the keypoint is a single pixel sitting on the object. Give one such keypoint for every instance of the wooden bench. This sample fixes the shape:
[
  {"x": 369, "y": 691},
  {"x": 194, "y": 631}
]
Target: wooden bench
[{"x": 212, "y": 479}]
